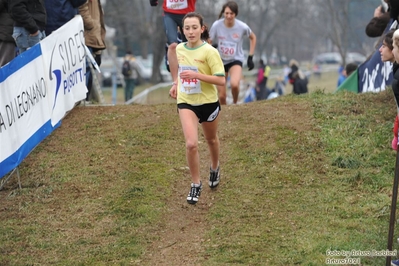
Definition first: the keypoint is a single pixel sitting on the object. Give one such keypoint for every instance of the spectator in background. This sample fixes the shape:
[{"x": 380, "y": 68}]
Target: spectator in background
[
  {"x": 386, "y": 51},
  {"x": 7, "y": 44},
  {"x": 261, "y": 83},
  {"x": 395, "y": 67},
  {"x": 286, "y": 71},
  {"x": 387, "y": 47},
  {"x": 395, "y": 88},
  {"x": 350, "y": 68},
  {"x": 60, "y": 12},
  {"x": 279, "y": 86},
  {"x": 317, "y": 70},
  {"x": 94, "y": 33},
  {"x": 130, "y": 75},
  {"x": 393, "y": 6},
  {"x": 250, "y": 94},
  {"x": 377, "y": 25},
  {"x": 29, "y": 22},
  {"x": 297, "y": 78},
  {"x": 341, "y": 75},
  {"x": 346, "y": 72}
]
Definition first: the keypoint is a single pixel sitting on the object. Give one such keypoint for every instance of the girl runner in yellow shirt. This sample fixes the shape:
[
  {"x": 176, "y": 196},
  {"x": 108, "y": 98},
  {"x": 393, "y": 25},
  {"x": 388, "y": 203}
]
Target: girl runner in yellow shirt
[{"x": 200, "y": 69}]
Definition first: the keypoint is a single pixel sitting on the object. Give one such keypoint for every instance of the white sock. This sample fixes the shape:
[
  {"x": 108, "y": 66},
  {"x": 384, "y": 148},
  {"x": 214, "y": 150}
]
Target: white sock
[
  {"x": 215, "y": 170},
  {"x": 195, "y": 185}
]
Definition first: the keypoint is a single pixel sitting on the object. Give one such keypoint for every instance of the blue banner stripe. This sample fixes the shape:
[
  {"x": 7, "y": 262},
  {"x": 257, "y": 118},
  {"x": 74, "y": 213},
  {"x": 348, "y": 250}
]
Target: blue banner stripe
[
  {"x": 20, "y": 61},
  {"x": 19, "y": 155}
]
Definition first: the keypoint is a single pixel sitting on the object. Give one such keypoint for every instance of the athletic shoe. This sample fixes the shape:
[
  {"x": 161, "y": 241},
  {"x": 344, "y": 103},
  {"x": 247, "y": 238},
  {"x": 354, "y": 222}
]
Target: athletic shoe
[
  {"x": 194, "y": 194},
  {"x": 395, "y": 263},
  {"x": 214, "y": 178}
]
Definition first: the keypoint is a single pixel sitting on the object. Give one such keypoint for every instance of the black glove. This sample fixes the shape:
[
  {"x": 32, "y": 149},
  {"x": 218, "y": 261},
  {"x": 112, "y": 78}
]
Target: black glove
[
  {"x": 250, "y": 63},
  {"x": 153, "y": 2},
  {"x": 215, "y": 45}
]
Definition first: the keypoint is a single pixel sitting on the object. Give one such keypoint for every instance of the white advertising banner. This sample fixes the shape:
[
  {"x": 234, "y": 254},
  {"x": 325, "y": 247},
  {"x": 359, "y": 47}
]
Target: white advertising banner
[
  {"x": 64, "y": 56},
  {"x": 37, "y": 88}
]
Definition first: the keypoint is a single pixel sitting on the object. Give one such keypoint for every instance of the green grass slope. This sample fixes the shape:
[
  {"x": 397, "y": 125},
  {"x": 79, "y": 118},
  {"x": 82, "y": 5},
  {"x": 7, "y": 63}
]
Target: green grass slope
[{"x": 301, "y": 175}]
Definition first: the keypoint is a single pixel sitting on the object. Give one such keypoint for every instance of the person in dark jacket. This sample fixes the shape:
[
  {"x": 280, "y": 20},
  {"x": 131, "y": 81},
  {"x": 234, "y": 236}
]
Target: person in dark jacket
[
  {"x": 383, "y": 14},
  {"x": 60, "y": 12},
  {"x": 29, "y": 22},
  {"x": 7, "y": 44},
  {"x": 298, "y": 80},
  {"x": 395, "y": 66},
  {"x": 395, "y": 87},
  {"x": 377, "y": 25},
  {"x": 393, "y": 8}
]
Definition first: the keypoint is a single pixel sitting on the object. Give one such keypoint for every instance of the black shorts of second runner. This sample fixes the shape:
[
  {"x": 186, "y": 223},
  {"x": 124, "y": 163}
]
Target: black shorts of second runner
[
  {"x": 229, "y": 65},
  {"x": 205, "y": 112}
]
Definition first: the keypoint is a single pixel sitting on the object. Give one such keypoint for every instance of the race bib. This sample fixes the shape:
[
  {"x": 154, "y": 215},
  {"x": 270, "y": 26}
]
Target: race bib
[
  {"x": 227, "y": 50},
  {"x": 189, "y": 86},
  {"x": 176, "y": 4}
]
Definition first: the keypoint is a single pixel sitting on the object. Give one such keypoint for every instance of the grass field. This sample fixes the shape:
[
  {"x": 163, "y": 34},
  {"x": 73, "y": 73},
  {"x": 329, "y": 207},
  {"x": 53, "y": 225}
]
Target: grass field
[{"x": 301, "y": 176}]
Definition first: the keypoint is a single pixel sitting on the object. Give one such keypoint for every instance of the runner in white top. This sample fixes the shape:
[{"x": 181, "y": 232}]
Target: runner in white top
[{"x": 228, "y": 34}]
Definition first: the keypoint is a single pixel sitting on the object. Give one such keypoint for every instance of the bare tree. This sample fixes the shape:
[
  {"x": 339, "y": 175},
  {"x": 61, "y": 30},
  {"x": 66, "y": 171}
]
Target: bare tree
[
  {"x": 132, "y": 21},
  {"x": 269, "y": 18},
  {"x": 338, "y": 25},
  {"x": 344, "y": 25}
]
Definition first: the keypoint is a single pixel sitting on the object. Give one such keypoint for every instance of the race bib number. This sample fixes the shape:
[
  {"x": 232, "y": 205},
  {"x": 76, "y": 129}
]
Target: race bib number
[
  {"x": 176, "y": 4},
  {"x": 227, "y": 50},
  {"x": 189, "y": 86}
]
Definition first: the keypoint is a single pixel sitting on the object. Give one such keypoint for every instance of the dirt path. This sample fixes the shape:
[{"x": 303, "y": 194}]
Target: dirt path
[
  {"x": 182, "y": 231},
  {"x": 181, "y": 237}
]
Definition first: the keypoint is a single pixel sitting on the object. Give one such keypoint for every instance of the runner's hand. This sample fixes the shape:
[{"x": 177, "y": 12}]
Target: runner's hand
[
  {"x": 153, "y": 2},
  {"x": 173, "y": 91}
]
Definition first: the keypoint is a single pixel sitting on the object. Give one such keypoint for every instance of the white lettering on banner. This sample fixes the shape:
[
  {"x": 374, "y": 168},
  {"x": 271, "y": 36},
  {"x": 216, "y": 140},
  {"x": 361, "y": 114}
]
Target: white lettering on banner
[
  {"x": 73, "y": 79},
  {"x": 386, "y": 72},
  {"x": 72, "y": 51},
  {"x": 24, "y": 107},
  {"x": 369, "y": 79},
  {"x": 64, "y": 55},
  {"x": 22, "y": 103}
]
